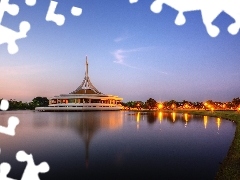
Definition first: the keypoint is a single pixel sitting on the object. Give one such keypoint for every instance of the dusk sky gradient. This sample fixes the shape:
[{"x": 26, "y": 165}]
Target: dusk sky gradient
[{"x": 132, "y": 52}]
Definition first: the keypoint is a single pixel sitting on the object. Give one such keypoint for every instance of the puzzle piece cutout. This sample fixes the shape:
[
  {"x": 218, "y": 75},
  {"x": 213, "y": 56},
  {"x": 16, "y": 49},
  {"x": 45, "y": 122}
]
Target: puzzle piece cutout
[
  {"x": 12, "y": 121},
  {"x": 12, "y": 124},
  {"x": 31, "y": 171},
  {"x": 8, "y": 35},
  {"x": 30, "y": 2},
  {"x": 4, "y": 105},
  {"x": 59, "y": 19},
  {"x": 210, "y": 10},
  {"x": 133, "y": 1},
  {"x": 4, "y": 170},
  {"x": 76, "y": 11}
]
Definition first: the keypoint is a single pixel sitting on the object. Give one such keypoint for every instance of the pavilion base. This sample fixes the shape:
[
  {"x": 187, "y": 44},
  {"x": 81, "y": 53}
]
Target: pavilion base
[{"x": 74, "y": 109}]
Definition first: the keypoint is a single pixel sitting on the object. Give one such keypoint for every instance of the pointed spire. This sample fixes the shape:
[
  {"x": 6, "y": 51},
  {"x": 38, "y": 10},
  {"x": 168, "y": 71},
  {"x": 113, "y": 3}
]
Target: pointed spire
[
  {"x": 86, "y": 73},
  {"x": 86, "y": 84}
]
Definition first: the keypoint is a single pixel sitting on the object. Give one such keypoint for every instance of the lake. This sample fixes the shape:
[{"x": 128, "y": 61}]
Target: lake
[{"x": 118, "y": 144}]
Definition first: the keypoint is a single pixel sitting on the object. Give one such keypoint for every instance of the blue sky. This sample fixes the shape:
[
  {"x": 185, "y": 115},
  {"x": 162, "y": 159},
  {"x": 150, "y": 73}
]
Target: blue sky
[{"x": 132, "y": 52}]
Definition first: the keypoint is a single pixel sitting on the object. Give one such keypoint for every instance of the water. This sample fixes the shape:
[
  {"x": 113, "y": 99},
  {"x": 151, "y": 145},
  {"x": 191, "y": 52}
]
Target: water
[{"x": 118, "y": 145}]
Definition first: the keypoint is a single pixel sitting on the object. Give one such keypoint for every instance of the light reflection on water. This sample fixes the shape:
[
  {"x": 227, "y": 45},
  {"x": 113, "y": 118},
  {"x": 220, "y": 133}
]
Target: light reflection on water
[{"x": 118, "y": 145}]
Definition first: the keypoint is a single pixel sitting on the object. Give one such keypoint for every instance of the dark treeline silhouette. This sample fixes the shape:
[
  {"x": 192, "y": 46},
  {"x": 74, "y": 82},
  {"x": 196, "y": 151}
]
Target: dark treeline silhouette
[
  {"x": 36, "y": 102},
  {"x": 184, "y": 104},
  {"x": 150, "y": 104}
]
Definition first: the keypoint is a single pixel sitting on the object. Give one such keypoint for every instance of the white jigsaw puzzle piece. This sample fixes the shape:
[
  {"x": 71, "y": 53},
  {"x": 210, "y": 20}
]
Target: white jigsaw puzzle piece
[
  {"x": 4, "y": 170},
  {"x": 31, "y": 171},
  {"x": 210, "y": 10},
  {"x": 30, "y": 2},
  {"x": 12, "y": 9},
  {"x": 133, "y": 1},
  {"x": 4, "y": 105},
  {"x": 232, "y": 8},
  {"x": 59, "y": 19},
  {"x": 12, "y": 124},
  {"x": 9, "y": 36},
  {"x": 76, "y": 11}
]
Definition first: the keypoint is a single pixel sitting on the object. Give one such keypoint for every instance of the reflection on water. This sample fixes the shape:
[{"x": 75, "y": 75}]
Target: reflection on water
[
  {"x": 118, "y": 145},
  {"x": 205, "y": 120},
  {"x": 172, "y": 118},
  {"x": 218, "y": 123}
]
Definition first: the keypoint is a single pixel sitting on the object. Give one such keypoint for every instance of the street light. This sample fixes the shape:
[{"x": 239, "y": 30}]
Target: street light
[
  {"x": 160, "y": 106},
  {"x": 212, "y": 109}
]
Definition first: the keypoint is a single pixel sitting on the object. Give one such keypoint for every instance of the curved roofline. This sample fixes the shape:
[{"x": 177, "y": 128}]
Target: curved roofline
[{"x": 86, "y": 84}]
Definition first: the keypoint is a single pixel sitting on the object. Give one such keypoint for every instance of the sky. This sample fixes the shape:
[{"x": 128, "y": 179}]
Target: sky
[{"x": 132, "y": 52}]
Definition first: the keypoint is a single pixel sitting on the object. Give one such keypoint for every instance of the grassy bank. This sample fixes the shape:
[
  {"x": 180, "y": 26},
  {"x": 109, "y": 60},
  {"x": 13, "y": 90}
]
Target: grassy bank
[{"x": 230, "y": 167}]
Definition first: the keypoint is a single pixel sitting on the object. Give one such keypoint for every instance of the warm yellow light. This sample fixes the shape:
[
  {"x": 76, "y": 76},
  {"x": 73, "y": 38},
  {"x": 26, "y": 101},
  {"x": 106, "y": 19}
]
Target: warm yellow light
[
  {"x": 174, "y": 116},
  {"x": 218, "y": 123},
  {"x": 186, "y": 117},
  {"x": 138, "y": 117},
  {"x": 205, "y": 121},
  {"x": 160, "y": 116},
  {"x": 160, "y": 106}
]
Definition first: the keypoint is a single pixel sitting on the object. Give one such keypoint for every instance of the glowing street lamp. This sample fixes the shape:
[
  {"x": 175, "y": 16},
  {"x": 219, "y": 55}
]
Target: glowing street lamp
[
  {"x": 212, "y": 109},
  {"x": 160, "y": 106},
  {"x": 224, "y": 106},
  {"x": 138, "y": 106}
]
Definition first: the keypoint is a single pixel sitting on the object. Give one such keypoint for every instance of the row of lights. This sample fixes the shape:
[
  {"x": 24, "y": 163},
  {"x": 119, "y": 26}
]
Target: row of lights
[{"x": 160, "y": 106}]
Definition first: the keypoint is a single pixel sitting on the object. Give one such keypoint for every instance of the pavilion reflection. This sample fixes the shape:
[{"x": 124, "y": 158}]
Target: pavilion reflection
[{"x": 86, "y": 124}]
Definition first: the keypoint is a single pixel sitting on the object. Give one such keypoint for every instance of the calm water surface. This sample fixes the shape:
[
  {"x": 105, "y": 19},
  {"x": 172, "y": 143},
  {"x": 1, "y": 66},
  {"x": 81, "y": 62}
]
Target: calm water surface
[{"x": 118, "y": 145}]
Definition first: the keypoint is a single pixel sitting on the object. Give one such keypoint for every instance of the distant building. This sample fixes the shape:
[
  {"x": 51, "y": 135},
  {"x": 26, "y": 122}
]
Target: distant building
[{"x": 85, "y": 98}]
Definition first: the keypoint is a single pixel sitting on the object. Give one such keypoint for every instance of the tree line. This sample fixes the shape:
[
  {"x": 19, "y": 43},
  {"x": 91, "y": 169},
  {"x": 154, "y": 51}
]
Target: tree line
[
  {"x": 36, "y": 102},
  {"x": 149, "y": 104},
  {"x": 184, "y": 104}
]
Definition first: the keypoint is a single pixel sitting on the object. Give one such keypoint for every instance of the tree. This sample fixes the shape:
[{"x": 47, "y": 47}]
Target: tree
[
  {"x": 198, "y": 105},
  {"x": 171, "y": 104},
  {"x": 129, "y": 104},
  {"x": 236, "y": 102},
  {"x": 138, "y": 104},
  {"x": 151, "y": 103},
  {"x": 40, "y": 102}
]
